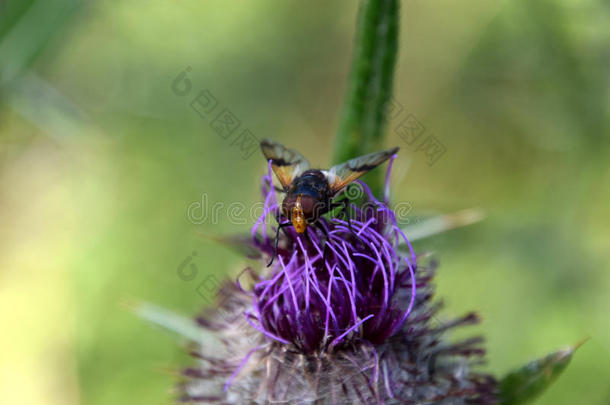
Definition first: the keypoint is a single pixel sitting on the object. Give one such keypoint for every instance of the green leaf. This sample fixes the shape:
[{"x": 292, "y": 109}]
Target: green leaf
[
  {"x": 369, "y": 89},
  {"x": 46, "y": 107},
  {"x": 26, "y": 27},
  {"x": 168, "y": 320},
  {"x": 241, "y": 244},
  {"x": 528, "y": 382},
  {"x": 442, "y": 223}
]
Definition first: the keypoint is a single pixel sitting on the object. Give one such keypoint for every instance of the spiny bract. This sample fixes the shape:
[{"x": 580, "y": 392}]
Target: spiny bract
[{"x": 342, "y": 318}]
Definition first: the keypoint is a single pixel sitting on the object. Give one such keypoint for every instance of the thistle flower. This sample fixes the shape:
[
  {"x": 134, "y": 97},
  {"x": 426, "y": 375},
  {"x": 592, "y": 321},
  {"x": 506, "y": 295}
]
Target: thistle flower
[{"x": 344, "y": 316}]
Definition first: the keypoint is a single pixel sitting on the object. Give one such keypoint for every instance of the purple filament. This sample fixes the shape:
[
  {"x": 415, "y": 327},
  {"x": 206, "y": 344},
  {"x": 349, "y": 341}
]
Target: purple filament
[
  {"x": 241, "y": 365},
  {"x": 322, "y": 289}
]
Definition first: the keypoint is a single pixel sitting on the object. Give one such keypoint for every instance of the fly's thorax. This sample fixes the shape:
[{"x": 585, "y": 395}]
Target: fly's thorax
[{"x": 312, "y": 182}]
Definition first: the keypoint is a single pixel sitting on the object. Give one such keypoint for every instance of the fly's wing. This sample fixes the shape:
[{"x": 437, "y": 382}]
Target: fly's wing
[
  {"x": 341, "y": 175},
  {"x": 286, "y": 163}
]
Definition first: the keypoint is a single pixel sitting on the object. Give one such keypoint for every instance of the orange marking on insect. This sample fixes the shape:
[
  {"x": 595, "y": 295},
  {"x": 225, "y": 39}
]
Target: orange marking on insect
[{"x": 297, "y": 217}]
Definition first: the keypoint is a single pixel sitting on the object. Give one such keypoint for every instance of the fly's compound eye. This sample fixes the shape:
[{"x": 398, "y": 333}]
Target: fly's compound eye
[{"x": 312, "y": 207}]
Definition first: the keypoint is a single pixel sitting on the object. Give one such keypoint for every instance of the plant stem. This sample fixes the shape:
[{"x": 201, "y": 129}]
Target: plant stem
[{"x": 370, "y": 83}]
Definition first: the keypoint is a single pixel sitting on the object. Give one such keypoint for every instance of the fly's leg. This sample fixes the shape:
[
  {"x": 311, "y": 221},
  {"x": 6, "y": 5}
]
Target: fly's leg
[
  {"x": 344, "y": 204},
  {"x": 321, "y": 227},
  {"x": 346, "y": 215},
  {"x": 277, "y": 237}
]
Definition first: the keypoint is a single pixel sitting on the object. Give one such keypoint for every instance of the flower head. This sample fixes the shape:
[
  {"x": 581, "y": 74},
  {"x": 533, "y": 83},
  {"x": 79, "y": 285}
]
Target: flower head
[{"x": 343, "y": 317}]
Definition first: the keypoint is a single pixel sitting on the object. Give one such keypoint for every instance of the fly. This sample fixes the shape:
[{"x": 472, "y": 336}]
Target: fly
[{"x": 310, "y": 192}]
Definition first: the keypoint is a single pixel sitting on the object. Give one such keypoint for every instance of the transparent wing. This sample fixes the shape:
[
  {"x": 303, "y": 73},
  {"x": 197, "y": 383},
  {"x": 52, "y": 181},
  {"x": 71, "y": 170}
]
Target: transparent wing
[
  {"x": 286, "y": 163},
  {"x": 341, "y": 175}
]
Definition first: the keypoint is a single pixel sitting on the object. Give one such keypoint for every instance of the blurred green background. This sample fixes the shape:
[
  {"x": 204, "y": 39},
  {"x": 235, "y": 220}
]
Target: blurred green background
[{"x": 100, "y": 161}]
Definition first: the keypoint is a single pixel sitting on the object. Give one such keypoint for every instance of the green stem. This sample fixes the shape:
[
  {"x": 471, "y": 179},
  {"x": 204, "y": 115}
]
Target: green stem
[{"x": 370, "y": 84}]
